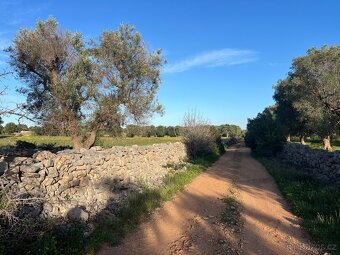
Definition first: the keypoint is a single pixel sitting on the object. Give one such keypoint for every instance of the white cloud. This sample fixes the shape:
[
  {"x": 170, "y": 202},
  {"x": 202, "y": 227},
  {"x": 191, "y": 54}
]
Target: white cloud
[{"x": 212, "y": 59}]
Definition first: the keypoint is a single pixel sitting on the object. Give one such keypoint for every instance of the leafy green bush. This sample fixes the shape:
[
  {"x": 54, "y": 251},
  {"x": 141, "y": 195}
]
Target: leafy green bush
[
  {"x": 265, "y": 135},
  {"x": 230, "y": 141}
]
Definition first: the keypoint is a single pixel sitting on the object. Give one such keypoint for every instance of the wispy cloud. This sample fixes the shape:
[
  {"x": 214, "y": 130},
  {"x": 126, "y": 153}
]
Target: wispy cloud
[{"x": 213, "y": 59}]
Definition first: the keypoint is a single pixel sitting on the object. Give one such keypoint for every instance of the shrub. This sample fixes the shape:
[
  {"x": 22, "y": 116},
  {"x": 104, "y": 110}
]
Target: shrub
[
  {"x": 265, "y": 135},
  {"x": 199, "y": 137},
  {"x": 230, "y": 141}
]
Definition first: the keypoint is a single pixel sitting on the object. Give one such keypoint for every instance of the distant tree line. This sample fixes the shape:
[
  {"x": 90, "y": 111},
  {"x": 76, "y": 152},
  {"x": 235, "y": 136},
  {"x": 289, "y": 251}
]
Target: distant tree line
[
  {"x": 227, "y": 130},
  {"x": 11, "y": 127},
  {"x": 307, "y": 103}
]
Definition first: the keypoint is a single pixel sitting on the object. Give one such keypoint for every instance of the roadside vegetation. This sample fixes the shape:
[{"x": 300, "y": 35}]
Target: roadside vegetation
[
  {"x": 307, "y": 111},
  {"x": 316, "y": 202},
  {"x": 231, "y": 217},
  {"x": 307, "y": 104}
]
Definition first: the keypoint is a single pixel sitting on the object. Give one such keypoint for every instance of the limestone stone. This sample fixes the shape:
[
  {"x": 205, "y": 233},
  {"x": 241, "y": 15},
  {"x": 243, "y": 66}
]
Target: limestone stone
[
  {"x": 77, "y": 214},
  {"x": 48, "y": 162},
  {"x": 42, "y": 155},
  {"x": 96, "y": 179},
  {"x": 319, "y": 163},
  {"x": 29, "y": 168}
]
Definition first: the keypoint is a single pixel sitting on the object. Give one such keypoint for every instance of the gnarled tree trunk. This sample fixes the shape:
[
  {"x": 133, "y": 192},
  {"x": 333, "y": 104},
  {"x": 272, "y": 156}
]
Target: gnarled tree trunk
[
  {"x": 80, "y": 141},
  {"x": 302, "y": 139},
  {"x": 327, "y": 143}
]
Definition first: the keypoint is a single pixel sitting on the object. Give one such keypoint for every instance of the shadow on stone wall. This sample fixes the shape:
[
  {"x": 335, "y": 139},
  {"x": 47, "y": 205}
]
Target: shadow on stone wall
[{"x": 62, "y": 203}]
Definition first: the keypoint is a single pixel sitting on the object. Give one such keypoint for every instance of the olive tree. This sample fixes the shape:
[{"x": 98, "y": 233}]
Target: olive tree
[
  {"x": 308, "y": 100},
  {"x": 318, "y": 75},
  {"x": 297, "y": 122},
  {"x": 86, "y": 87}
]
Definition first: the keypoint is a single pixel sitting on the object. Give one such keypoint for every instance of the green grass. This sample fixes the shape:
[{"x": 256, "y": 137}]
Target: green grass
[
  {"x": 231, "y": 215},
  {"x": 105, "y": 142},
  {"x": 317, "y": 144},
  {"x": 316, "y": 202},
  {"x": 111, "y": 230}
]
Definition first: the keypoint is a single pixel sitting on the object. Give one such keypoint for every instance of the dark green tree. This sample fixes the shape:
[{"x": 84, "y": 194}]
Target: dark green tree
[
  {"x": 11, "y": 128},
  {"x": 265, "y": 135},
  {"x": 160, "y": 131},
  {"x": 318, "y": 74},
  {"x": 171, "y": 131}
]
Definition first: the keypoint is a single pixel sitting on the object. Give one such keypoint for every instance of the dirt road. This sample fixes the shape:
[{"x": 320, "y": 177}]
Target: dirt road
[{"x": 189, "y": 224}]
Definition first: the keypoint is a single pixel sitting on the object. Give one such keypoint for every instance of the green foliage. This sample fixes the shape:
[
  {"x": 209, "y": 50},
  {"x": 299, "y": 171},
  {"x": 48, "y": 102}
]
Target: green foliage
[
  {"x": 316, "y": 202},
  {"x": 118, "y": 76},
  {"x": 133, "y": 130},
  {"x": 229, "y": 130},
  {"x": 171, "y": 131},
  {"x": 160, "y": 131},
  {"x": 36, "y": 130},
  {"x": 317, "y": 76},
  {"x": 10, "y": 128},
  {"x": 229, "y": 141},
  {"x": 308, "y": 99},
  {"x": 265, "y": 135},
  {"x": 231, "y": 216}
]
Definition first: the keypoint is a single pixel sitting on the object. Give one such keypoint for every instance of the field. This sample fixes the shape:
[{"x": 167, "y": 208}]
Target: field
[
  {"x": 105, "y": 142},
  {"x": 317, "y": 144}
]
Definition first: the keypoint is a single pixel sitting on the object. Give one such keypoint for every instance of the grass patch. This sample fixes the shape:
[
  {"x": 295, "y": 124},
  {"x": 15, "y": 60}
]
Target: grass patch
[
  {"x": 316, "y": 202},
  {"x": 111, "y": 230},
  {"x": 231, "y": 216},
  {"x": 65, "y": 141},
  {"x": 317, "y": 144}
]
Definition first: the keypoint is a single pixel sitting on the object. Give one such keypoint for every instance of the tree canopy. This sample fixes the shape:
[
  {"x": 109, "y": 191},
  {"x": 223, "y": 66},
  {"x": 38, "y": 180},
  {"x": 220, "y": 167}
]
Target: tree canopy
[
  {"x": 86, "y": 87},
  {"x": 307, "y": 101}
]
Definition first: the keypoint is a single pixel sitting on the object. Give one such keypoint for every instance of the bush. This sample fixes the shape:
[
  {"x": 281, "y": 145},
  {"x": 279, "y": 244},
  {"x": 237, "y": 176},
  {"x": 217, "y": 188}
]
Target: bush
[
  {"x": 265, "y": 135},
  {"x": 199, "y": 137},
  {"x": 230, "y": 141}
]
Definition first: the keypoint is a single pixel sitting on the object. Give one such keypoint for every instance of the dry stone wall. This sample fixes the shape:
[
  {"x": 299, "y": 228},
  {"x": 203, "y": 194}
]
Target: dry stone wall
[
  {"x": 79, "y": 184},
  {"x": 322, "y": 164}
]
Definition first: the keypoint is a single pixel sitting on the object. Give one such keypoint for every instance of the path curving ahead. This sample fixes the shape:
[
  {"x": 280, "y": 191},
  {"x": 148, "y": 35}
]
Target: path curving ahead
[{"x": 188, "y": 223}]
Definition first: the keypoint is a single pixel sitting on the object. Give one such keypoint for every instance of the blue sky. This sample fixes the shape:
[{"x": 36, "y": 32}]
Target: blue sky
[{"x": 223, "y": 56}]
